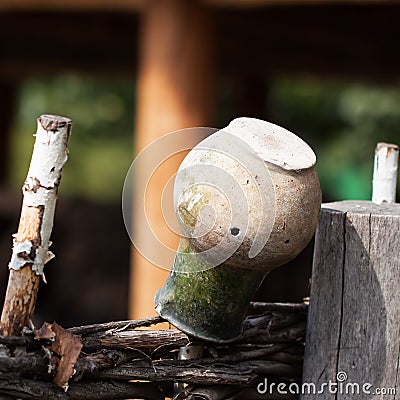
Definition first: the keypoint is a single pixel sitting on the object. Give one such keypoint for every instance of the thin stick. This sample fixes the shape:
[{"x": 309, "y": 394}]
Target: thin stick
[
  {"x": 116, "y": 325},
  {"x": 187, "y": 353},
  {"x": 280, "y": 307},
  {"x": 385, "y": 173},
  {"x": 31, "y": 243}
]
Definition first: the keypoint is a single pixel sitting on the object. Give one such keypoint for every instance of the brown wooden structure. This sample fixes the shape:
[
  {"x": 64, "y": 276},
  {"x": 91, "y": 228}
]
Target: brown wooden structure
[
  {"x": 183, "y": 52},
  {"x": 118, "y": 361}
]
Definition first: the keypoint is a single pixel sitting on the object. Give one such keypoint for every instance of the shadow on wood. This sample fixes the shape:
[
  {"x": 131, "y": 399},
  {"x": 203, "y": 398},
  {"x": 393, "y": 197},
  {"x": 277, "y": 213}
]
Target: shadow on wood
[{"x": 353, "y": 325}]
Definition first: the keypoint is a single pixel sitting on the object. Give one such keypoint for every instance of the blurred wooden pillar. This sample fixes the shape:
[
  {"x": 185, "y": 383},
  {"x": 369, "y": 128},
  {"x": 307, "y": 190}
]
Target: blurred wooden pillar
[{"x": 174, "y": 92}]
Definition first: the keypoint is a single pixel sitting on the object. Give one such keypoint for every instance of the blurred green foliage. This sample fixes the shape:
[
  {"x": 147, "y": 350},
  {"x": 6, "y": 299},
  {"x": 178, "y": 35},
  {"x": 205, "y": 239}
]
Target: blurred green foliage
[
  {"x": 342, "y": 121},
  {"x": 101, "y": 146}
]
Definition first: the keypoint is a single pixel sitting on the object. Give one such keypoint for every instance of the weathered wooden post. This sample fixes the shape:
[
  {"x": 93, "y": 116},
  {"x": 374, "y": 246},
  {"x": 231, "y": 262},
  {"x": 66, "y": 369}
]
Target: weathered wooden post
[{"x": 353, "y": 341}]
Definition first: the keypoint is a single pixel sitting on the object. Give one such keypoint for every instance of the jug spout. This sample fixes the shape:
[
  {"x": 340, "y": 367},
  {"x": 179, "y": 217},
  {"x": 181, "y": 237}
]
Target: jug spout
[{"x": 209, "y": 304}]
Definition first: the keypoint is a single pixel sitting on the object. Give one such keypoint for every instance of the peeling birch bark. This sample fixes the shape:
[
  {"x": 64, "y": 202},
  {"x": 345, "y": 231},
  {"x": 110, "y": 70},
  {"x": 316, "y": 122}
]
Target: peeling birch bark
[
  {"x": 32, "y": 241},
  {"x": 385, "y": 173}
]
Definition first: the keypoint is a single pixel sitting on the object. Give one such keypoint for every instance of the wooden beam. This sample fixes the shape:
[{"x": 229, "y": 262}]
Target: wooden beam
[
  {"x": 174, "y": 92},
  {"x": 242, "y": 4},
  {"x": 75, "y": 5},
  {"x": 260, "y": 42},
  {"x": 306, "y": 41},
  {"x": 96, "y": 43},
  {"x": 139, "y": 5}
]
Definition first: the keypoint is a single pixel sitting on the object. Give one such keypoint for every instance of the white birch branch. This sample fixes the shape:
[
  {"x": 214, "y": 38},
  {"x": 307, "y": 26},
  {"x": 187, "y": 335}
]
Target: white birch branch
[
  {"x": 32, "y": 241},
  {"x": 385, "y": 173}
]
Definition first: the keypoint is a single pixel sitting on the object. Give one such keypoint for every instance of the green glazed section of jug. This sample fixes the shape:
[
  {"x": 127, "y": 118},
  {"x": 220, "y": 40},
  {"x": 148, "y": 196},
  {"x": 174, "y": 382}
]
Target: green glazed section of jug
[{"x": 207, "y": 303}]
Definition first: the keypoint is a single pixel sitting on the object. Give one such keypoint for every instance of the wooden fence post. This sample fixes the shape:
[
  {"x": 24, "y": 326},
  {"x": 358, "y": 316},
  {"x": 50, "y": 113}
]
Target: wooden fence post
[
  {"x": 32, "y": 241},
  {"x": 353, "y": 341}
]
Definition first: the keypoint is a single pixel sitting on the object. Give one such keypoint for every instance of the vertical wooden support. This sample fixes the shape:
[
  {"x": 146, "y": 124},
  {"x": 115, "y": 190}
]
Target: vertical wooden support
[
  {"x": 174, "y": 92},
  {"x": 32, "y": 241},
  {"x": 353, "y": 322}
]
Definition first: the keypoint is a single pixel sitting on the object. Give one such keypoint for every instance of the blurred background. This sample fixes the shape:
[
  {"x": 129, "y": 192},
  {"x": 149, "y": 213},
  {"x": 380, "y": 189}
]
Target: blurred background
[{"x": 128, "y": 71}]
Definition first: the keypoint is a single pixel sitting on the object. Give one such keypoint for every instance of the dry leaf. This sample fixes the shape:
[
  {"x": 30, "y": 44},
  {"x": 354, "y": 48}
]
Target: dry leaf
[
  {"x": 45, "y": 332},
  {"x": 65, "y": 348}
]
